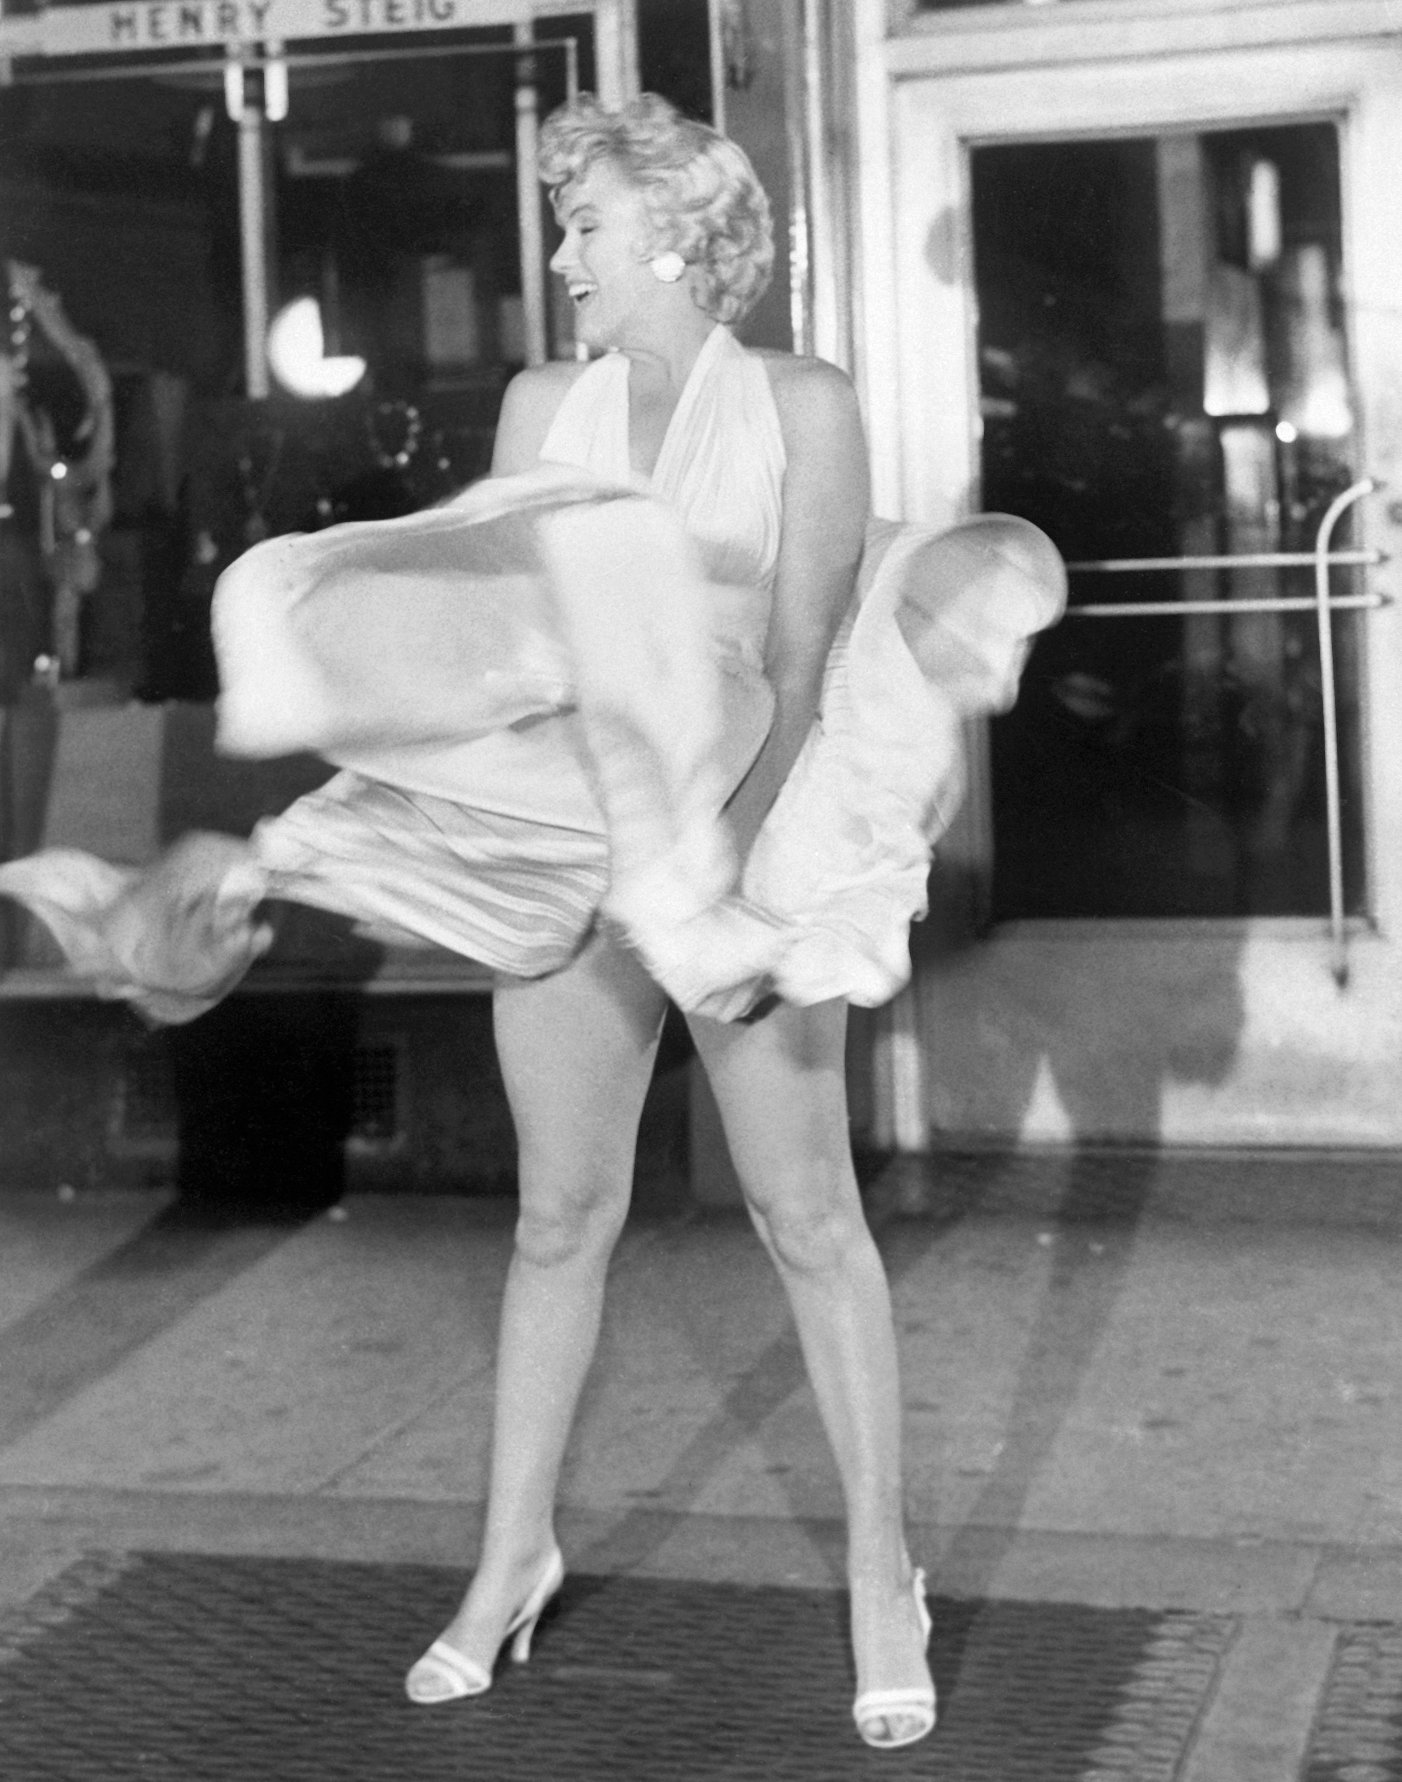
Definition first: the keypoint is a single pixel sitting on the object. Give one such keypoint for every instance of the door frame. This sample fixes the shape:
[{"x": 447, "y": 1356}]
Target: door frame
[{"x": 1292, "y": 1059}]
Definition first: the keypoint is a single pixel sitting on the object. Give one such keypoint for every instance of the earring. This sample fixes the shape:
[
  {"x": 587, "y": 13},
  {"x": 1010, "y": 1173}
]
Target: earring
[{"x": 668, "y": 267}]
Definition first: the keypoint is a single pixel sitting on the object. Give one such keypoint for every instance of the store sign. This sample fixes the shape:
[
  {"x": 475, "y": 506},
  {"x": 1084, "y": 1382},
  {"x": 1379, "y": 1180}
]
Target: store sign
[{"x": 127, "y": 25}]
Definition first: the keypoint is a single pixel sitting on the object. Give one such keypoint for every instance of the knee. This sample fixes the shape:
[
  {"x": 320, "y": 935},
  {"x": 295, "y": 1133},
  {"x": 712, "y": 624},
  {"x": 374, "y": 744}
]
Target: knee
[
  {"x": 560, "y": 1222},
  {"x": 810, "y": 1225}
]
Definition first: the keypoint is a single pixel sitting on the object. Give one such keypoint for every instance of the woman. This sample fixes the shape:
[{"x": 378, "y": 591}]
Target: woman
[
  {"x": 666, "y": 243},
  {"x": 666, "y": 239}
]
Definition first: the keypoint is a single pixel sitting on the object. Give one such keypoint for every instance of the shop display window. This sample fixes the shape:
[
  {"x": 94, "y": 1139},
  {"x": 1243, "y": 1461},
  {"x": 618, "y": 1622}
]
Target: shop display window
[{"x": 392, "y": 244}]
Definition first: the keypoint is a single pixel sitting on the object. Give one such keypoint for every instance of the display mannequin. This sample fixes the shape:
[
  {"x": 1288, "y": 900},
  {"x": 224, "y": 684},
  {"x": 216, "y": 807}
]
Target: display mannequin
[{"x": 75, "y": 476}]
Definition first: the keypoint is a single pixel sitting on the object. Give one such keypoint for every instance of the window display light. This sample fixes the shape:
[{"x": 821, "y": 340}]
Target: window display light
[{"x": 298, "y": 357}]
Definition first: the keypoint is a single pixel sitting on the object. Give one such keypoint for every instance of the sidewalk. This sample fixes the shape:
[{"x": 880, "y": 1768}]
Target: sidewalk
[{"x": 1165, "y": 1385}]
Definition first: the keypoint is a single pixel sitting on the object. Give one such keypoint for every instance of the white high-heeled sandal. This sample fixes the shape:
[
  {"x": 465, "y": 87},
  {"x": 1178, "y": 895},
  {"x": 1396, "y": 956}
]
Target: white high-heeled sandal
[
  {"x": 877, "y": 1708},
  {"x": 444, "y": 1674}
]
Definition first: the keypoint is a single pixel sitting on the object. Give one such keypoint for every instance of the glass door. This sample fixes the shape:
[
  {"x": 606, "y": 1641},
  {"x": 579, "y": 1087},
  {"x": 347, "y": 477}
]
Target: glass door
[
  {"x": 1164, "y": 388},
  {"x": 1148, "y": 301}
]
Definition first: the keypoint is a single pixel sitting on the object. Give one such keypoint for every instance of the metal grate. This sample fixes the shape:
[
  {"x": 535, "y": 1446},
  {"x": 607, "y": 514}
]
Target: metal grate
[
  {"x": 1357, "y": 1734},
  {"x": 215, "y": 1668},
  {"x": 145, "y": 1111},
  {"x": 146, "y": 1108},
  {"x": 376, "y": 1093}
]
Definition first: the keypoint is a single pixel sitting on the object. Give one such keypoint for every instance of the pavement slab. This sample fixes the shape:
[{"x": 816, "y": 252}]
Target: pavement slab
[
  {"x": 1262, "y": 1714},
  {"x": 279, "y": 1377},
  {"x": 45, "y": 1241}
]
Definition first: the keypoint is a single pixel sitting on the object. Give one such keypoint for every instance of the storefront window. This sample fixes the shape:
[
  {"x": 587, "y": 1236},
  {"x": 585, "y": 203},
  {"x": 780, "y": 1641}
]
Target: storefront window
[
  {"x": 390, "y": 223},
  {"x": 390, "y": 230}
]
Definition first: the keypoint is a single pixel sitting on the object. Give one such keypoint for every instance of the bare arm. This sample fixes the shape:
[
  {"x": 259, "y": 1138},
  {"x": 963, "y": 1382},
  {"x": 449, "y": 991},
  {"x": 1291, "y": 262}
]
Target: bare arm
[
  {"x": 527, "y": 409},
  {"x": 826, "y": 500}
]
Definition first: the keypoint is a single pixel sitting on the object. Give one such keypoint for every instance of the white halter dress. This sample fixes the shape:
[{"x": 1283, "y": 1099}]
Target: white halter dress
[{"x": 542, "y": 694}]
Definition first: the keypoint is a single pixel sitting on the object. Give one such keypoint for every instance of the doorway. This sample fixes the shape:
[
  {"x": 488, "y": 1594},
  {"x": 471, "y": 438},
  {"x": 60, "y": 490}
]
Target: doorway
[
  {"x": 1163, "y": 374},
  {"x": 1141, "y": 295}
]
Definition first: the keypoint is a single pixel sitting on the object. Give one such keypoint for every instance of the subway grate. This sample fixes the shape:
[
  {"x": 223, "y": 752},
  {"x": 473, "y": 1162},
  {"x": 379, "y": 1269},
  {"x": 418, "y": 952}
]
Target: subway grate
[{"x": 290, "y": 1670}]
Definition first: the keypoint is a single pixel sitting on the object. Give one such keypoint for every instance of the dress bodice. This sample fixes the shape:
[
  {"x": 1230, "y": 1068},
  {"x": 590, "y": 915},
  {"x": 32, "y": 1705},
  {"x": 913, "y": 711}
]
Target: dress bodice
[{"x": 721, "y": 465}]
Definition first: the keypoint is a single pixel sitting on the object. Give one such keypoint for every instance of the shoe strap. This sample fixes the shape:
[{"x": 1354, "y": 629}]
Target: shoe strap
[
  {"x": 459, "y": 1666},
  {"x": 898, "y": 1701}
]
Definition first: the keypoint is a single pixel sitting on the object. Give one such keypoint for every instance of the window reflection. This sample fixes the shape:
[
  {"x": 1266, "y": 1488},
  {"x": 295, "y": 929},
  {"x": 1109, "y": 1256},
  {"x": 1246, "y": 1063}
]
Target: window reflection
[{"x": 1163, "y": 368}]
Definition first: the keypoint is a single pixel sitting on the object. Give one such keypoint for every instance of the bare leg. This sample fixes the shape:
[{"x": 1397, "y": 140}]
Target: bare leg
[
  {"x": 576, "y": 1052},
  {"x": 780, "y": 1086}
]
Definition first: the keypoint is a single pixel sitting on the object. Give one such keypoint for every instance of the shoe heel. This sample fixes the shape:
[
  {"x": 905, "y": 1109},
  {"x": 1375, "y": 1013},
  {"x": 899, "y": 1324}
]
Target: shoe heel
[
  {"x": 545, "y": 1592},
  {"x": 521, "y": 1642},
  {"x": 922, "y": 1608}
]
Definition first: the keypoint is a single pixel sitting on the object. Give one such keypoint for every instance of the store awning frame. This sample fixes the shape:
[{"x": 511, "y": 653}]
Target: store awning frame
[{"x": 127, "y": 27}]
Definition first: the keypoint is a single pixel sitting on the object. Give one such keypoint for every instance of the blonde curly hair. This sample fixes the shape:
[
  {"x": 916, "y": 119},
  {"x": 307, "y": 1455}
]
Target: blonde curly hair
[{"x": 700, "y": 193}]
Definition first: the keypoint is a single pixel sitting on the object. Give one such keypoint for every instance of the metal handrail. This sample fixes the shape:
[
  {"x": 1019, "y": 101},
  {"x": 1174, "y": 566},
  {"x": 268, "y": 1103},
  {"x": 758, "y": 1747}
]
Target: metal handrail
[
  {"x": 1174, "y": 609},
  {"x": 1322, "y": 604},
  {"x": 1266, "y": 603},
  {"x": 1249, "y": 560},
  {"x": 1337, "y": 938}
]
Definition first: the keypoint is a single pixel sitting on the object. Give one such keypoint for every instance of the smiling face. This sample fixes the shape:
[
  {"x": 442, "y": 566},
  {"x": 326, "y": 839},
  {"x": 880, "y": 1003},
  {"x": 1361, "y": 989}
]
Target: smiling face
[{"x": 601, "y": 259}]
